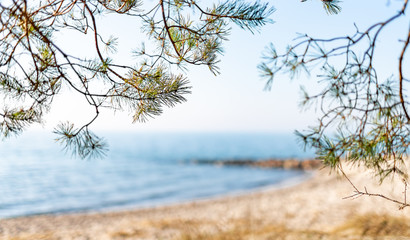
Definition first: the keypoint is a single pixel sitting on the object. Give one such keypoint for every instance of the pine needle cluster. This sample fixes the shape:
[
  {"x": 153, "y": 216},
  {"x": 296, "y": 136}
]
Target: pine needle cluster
[{"x": 34, "y": 67}]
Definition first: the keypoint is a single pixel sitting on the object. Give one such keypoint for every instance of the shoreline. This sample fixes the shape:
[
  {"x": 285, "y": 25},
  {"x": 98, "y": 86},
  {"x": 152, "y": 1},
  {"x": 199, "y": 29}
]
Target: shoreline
[
  {"x": 315, "y": 204},
  {"x": 305, "y": 175},
  {"x": 298, "y": 170}
]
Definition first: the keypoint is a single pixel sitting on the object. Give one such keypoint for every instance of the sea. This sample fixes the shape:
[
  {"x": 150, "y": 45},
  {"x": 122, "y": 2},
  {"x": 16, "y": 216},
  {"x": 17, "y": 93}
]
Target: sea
[{"x": 140, "y": 170}]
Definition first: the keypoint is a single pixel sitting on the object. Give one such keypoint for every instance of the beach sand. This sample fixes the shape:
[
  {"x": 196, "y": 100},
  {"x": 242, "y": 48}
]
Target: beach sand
[{"x": 313, "y": 209}]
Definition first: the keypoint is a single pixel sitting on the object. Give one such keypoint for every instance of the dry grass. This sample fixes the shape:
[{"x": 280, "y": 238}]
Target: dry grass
[
  {"x": 242, "y": 233},
  {"x": 40, "y": 236},
  {"x": 367, "y": 227},
  {"x": 376, "y": 226}
]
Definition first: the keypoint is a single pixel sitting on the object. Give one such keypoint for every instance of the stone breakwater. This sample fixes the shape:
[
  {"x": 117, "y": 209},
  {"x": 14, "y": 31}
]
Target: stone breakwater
[{"x": 307, "y": 164}]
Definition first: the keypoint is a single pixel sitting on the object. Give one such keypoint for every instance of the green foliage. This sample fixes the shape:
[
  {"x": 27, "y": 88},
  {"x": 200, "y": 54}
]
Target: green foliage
[
  {"x": 363, "y": 119},
  {"x": 82, "y": 143},
  {"x": 331, "y": 6},
  {"x": 246, "y": 15},
  {"x": 15, "y": 120},
  {"x": 34, "y": 67}
]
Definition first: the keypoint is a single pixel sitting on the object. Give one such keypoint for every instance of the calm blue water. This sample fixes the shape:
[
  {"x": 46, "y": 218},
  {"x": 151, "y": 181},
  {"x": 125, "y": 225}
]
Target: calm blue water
[{"x": 141, "y": 170}]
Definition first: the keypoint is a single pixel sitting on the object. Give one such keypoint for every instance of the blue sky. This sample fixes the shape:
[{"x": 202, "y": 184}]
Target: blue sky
[{"x": 235, "y": 101}]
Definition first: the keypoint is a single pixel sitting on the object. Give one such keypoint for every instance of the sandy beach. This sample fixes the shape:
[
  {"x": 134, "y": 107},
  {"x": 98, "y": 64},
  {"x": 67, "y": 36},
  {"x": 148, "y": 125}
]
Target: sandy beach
[{"x": 313, "y": 209}]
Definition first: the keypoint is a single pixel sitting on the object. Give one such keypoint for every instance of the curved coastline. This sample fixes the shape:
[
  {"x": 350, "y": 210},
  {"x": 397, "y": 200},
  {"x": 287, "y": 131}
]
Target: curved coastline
[
  {"x": 316, "y": 205},
  {"x": 287, "y": 182}
]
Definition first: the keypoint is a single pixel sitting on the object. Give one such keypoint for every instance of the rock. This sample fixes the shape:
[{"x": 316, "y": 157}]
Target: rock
[{"x": 307, "y": 164}]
